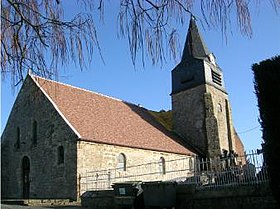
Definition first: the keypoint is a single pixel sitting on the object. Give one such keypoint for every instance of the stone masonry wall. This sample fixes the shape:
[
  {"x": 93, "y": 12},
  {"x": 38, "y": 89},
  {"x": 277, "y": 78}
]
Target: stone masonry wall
[
  {"x": 242, "y": 196},
  {"x": 103, "y": 157},
  {"x": 190, "y": 118},
  {"x": 222, "y": 111},
  {"x": 212, "y": 130},
  {"x": 188, "y": 111},
  {"x": 47, "y": 178}
]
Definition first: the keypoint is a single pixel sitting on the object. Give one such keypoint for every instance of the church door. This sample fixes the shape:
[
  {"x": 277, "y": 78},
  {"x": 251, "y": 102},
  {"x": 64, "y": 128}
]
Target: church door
[{"x": 25, "y": 177}]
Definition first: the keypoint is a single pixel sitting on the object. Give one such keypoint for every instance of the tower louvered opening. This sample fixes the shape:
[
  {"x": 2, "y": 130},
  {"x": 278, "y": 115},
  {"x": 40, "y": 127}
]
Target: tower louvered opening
[{"x": 216, "y": 78}]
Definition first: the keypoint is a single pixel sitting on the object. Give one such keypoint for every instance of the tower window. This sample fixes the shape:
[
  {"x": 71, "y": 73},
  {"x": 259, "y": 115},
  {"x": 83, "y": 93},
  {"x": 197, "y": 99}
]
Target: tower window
[
  {"x": 216, "y": 78},
  {"x": 17, "y": 144},
  {"x": 60, "y": 155},
  {"x": 220, "y": 108},
  {"x": 121, "y": 162},
  {"x": 162, "y": 169},
  {"x": 34, "y": 132}
]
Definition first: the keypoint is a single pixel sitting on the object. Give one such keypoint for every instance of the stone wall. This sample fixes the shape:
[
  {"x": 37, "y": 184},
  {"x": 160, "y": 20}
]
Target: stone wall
[
  {"x": 188, "y": 111},
  {"x": 222, "y": 111},
  {"x": 100, "y": 158},
  {"x": 48, "y": 179},
  {"x": 212, "y": 130},
  {"x": 202, "y": 115},
  {"x": 246, "y": 196}
]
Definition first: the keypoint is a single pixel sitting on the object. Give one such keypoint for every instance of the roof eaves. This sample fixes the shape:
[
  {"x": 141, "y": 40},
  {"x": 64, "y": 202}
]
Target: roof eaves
[{"x": 56, "y": 107}]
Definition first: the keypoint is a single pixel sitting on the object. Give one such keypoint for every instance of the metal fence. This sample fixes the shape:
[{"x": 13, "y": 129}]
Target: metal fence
[
  {"x": 227, "y": 170},
  {"x": 155, "y": 171},
  {"x": 230, "y": 171}
]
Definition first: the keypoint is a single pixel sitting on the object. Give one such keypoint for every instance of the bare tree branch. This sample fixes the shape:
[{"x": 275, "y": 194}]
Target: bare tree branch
[{"x": 35, "y": 34}]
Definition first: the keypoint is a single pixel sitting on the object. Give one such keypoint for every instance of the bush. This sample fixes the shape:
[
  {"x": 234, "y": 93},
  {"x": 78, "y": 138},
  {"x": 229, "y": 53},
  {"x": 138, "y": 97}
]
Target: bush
[{"x": 267, "y": 87}]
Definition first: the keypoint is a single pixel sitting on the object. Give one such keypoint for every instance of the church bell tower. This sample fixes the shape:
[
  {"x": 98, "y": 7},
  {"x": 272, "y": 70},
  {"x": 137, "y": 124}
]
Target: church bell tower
[{"x": 200, "y": 105}]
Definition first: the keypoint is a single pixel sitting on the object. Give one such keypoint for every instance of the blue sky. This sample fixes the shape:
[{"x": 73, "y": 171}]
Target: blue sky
[{"x": 150, "y": 87}]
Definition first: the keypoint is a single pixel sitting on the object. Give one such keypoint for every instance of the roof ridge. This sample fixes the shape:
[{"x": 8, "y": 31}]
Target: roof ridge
[{"x": 79, "y": 88}]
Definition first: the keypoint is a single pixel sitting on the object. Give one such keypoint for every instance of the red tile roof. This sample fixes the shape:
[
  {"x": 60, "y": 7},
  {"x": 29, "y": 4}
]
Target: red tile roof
[
  {"x": 238, "y": 144},
  {"x": 98, "y": 118}
]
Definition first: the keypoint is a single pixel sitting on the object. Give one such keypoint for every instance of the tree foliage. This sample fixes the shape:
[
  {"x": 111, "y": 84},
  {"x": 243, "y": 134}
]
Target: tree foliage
[
  {"x": 36, "y": 35},
  {"x": 267, "y": 86}
]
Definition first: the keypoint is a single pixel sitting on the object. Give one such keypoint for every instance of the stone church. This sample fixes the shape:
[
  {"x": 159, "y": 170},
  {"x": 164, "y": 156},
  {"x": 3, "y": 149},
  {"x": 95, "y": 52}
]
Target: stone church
[{"x": 56, "y": 132}]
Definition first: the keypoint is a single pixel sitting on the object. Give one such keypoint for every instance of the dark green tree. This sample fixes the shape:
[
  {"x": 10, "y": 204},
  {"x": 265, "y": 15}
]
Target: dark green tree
[{"x": 267, "y": 87}]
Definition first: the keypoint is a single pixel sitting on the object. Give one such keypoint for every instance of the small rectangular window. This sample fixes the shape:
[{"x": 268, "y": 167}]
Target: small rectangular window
[
  {"x": 162, "y": 168},
  {"x": 17, "y": 144},
  {"x": 34, "y": 132},
  {"x": 60, "y": 155}
]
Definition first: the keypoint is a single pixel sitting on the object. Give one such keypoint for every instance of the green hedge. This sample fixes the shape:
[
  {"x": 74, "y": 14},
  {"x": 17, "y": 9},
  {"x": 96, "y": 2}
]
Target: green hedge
[{"x": 267, "y": 87}]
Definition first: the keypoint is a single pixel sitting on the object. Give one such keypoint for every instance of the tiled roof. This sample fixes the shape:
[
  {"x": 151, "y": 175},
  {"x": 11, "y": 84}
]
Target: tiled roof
[
  {"x": 238, "y": 144},
  {"x": 98, "y": 118}
]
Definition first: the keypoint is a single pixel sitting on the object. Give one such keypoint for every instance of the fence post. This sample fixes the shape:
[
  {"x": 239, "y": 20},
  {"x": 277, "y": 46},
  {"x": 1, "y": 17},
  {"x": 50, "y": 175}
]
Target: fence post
[{"x": 109, "y": 178}]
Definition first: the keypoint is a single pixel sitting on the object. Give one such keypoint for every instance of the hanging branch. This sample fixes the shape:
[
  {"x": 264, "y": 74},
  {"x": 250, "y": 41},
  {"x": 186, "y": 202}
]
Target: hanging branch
[
  {"x": 34, "y": 34},
  {"x": 41, "y": 41}
]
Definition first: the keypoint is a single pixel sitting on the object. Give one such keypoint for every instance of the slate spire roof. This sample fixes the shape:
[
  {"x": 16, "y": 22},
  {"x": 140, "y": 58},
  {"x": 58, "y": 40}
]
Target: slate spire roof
[
  {"x": 194, "y": 47},
  {"x": 102, "y": 119}
]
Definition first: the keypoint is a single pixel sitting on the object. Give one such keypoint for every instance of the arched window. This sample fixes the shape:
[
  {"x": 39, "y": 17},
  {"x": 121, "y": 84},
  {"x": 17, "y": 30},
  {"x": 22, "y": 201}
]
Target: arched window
[
  {"x": 17, "y": 144},
  {"x": 60, "y": 155},
  {"x": 34, "y": 132},
  {"x": 121, "y": 162},
  {"x": 161, "y": 163}
]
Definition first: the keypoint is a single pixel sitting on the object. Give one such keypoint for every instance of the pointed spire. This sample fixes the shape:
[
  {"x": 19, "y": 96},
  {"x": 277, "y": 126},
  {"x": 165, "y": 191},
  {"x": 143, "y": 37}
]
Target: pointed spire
[{"x": 194, "y": 45}]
